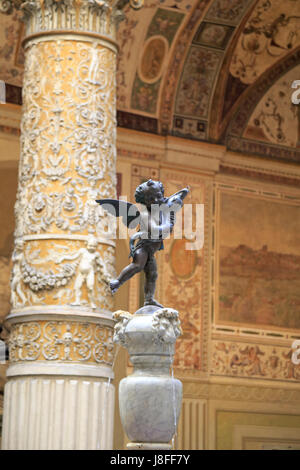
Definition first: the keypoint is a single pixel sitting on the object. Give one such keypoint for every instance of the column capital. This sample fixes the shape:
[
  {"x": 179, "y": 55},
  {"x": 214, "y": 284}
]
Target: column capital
[
  {"x": 100, "y": 17},
  {"x": 7, "y": 6}
]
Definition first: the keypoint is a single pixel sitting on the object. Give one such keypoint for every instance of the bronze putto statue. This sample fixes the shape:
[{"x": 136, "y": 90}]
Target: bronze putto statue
[{"x": 156, "y": 221}]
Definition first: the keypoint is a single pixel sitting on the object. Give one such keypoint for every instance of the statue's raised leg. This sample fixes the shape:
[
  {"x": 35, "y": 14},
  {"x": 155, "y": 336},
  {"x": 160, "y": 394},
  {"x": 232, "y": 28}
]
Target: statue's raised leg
[{"x": 137, "y": 265}]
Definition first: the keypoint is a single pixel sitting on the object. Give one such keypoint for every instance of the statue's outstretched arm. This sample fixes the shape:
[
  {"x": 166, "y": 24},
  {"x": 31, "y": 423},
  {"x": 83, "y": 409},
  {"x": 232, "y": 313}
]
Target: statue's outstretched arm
[{"x": 177, "y": 198}]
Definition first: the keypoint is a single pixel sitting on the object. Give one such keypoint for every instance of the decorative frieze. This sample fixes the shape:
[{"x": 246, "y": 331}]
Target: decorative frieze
[
  {"x": 248, "y": 360},
  {"x": 61, "y": 342}
]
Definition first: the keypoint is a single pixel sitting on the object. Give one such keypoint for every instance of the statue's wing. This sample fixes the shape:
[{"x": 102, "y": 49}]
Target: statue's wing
[{"x": 128, "y": 211}]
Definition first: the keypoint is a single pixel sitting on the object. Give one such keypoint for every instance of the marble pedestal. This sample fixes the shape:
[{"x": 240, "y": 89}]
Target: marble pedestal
[{"x": 150, "y": 398}]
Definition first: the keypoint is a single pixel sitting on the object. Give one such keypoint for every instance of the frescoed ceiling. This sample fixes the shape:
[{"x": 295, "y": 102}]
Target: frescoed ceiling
[{"x": 212, "y": 70}]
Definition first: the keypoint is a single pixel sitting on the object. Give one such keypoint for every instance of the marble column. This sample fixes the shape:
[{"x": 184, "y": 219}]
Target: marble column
[{"x": 59, "y": 393}]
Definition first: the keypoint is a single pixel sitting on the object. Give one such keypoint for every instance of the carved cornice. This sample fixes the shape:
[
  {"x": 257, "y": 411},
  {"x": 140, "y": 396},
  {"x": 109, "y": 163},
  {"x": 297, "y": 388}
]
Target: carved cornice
[{"x": 239, "y": 392}]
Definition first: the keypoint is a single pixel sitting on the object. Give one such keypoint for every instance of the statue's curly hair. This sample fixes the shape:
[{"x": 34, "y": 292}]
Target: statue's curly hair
[{"x": 142, "y": 189}]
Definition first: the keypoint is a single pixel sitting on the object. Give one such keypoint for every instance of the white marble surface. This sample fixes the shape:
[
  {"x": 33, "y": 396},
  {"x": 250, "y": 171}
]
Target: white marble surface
[
  {"x": 150, "y": 407},
  {"x": 150, "y": 399}
]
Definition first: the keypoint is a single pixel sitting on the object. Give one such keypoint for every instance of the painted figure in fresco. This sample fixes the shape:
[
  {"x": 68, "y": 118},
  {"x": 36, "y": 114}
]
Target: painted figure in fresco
[{"x": 156, "y": 221}]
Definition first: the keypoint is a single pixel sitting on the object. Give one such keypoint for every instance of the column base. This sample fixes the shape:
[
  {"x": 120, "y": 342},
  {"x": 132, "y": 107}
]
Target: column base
[{"x": 148, "y": 446}]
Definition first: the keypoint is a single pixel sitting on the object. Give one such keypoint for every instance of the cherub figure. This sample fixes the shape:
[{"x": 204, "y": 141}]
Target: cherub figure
[
  {"x": 156, "y": 220},
  {"x": 16, "y": 279},
  {"x": 89, "y": 262}
]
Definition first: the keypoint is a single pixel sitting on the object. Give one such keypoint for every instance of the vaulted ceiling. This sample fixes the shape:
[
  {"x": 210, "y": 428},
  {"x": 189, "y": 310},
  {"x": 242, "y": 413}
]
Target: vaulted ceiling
[{"x": 212, "y": 70}]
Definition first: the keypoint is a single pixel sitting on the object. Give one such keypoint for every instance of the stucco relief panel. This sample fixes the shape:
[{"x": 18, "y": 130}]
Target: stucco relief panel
[
  {"x": 59, "y": 341},
  {"x": 62, "y": 273}
]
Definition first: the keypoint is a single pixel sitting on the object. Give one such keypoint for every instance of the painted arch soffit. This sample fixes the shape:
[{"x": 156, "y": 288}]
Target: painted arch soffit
[
  {"x": 146, "y": 39},
  {"x": 170, "y": 56},
  {"x": 267, "y": 122},
  {"x": 269, "y": 33},
  {"x": 203, "y": 64}
]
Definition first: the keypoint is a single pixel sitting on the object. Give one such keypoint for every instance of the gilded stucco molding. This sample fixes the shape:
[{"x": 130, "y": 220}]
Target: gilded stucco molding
[{"x": 69, "y": 121}]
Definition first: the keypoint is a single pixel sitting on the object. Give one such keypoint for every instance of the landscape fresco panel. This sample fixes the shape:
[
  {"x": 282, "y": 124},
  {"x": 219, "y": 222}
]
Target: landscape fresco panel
[{"x": 259, "y": 267}]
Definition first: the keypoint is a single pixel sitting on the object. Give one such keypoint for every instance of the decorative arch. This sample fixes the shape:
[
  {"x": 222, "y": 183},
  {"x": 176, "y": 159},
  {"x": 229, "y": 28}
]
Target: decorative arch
[
  {"x": 268, "y": 33},
  {"x": 227, "y": 86},
  {"x": 234, "y": 134}
]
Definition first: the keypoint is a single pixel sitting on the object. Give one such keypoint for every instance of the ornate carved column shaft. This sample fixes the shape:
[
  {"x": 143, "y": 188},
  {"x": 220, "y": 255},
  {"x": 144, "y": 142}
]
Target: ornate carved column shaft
[{"x": 59, "y": 394}]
